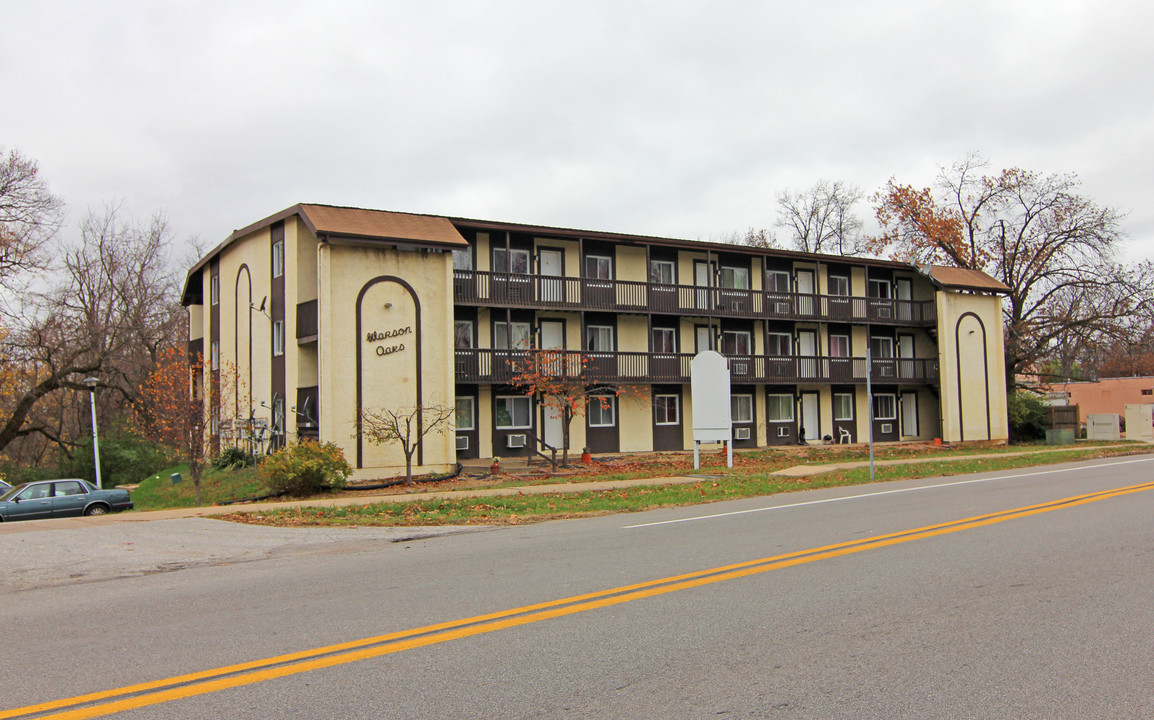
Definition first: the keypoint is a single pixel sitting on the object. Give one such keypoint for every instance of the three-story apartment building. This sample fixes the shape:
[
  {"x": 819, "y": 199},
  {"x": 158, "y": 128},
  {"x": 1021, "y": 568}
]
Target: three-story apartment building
[{"x": 319, "y": 310}]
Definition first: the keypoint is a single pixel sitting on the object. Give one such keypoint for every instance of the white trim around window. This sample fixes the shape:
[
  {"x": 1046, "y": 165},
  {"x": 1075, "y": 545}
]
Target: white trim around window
[
  {"x": 885, "y": 406},
  {"x": 466, "y": 413},
  {"x": 278, "y": 258},
  {"x": 602, "y": 411},
  {"x": 517, "y": 412},
  {"x": 843, "y": 407},
  {"x": 277, "y": 338},
  {"x": 667, "y": 409},
  {"x": 779, "y": 408},
  {"x": 741, "y": 408}
]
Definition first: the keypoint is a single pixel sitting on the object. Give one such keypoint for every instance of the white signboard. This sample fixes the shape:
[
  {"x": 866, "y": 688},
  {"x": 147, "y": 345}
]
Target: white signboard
[{"x": 709, "y": 379}]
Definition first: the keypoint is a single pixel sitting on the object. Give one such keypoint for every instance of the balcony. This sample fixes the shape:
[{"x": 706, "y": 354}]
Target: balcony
[
  {"x": 473, "y": 287},
  {"x": 498, "y": 367}
]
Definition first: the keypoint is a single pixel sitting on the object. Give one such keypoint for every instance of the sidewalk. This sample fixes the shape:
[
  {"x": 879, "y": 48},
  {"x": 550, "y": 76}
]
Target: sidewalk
[{"x": 216, "y": 510}]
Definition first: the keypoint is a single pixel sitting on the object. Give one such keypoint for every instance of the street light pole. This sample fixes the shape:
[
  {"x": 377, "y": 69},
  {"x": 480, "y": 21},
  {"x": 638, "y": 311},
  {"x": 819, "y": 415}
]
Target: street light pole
[{"x": 92, "y": 382}]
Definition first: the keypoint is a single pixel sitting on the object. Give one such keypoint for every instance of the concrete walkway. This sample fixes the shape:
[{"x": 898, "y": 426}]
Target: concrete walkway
[{"x": 217, "y": 510}]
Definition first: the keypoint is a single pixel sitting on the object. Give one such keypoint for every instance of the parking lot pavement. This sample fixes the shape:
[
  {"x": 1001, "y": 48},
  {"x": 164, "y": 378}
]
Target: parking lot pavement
[{"x": 106, "y": 550}]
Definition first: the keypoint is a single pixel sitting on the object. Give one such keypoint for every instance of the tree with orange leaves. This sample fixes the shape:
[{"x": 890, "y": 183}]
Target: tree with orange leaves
[
  {"x": 1056, "y": 250},
  {"x": 178, "y": 408},
  {"x": 563, "y": 381}
]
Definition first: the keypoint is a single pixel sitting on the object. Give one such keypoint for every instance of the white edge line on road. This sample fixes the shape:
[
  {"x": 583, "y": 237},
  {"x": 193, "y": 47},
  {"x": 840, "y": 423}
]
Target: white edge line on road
[{"x": 879, "y": 493}]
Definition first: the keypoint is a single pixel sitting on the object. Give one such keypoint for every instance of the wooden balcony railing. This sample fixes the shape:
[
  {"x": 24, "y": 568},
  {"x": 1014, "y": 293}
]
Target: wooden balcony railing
[
  {"x": 473, "y": 287},
  {"x": 489, "y": 366},
  {"x": 307, "y": 321}
]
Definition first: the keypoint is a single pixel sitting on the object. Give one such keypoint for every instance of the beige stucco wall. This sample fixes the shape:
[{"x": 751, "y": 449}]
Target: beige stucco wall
[
  {"x": 971, "y": 361},
  {"x": 242, "y": 261},
  {"x": 389, "y": 366}
]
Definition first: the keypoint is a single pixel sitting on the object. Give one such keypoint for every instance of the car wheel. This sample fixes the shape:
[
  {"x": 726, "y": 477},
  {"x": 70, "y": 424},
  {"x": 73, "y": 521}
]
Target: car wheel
[{"x": 97, "y": 510}]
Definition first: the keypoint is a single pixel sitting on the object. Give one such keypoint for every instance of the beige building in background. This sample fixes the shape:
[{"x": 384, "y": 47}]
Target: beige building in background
[{"x": 319, "y": 310}]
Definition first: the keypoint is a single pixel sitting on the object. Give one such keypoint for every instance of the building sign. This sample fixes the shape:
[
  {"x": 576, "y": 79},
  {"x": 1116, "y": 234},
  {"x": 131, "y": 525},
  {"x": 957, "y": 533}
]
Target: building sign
[{"x": 382, "y": 337}]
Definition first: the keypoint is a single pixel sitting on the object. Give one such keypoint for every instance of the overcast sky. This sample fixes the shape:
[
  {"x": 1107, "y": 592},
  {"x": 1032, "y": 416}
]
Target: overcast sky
[{"x": 677, "y": 119}]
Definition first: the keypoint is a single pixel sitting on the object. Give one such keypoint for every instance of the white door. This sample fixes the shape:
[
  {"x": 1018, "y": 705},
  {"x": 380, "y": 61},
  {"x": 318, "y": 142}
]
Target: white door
[
  {"x": 704, "y": 338},
  {"x": 701, "y": 278},
  {"x": 805, "y": 291},
  {"x": 806, "y": 354},
  {"x": 552, "y": 338},
  {"x": 552, "y": 286},
  {"x": 904, "y": 293},
  {"x": 906, "y": 352},
  {"x": 909, "y": 414},
  {"x": 810, "y": 422}
]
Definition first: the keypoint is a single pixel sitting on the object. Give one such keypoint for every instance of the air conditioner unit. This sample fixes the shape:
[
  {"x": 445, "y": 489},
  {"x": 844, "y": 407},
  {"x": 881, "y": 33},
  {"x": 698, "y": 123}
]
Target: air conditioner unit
[
  {"x": 741, "y": 368},
  {"x": 783, "y": 432},
  {"x": 887, "y": 371},
  {"x": 887, "y": 428},
  {"x": 462, "y": 442},
  {"x": 741, "y": 433},
  {"x": 885, "y": 312},
  {"x": 515, "y": 441},
  {"x": 783, "y": 308}
]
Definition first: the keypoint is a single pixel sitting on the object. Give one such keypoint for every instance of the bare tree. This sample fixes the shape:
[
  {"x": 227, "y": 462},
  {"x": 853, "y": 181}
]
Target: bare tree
[
  {"x": 1054, "y": 249},
  {"x": 822, "y": 218},
  {"x": 30, "y": 214},
  {"x": 112, "y": 310},
  {"x": 406, "y": 426}
]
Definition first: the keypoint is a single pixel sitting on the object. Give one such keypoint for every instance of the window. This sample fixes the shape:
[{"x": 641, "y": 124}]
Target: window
[
  {"x": 1148, "y": 391},
  {"x": 780, "y": 408},
  {"x": 881, "y": 348},
  {"x": 277, "y": 337},
  {"x": 463, "y": 334},
  {"x": 667, "y": 409},
  {"x": 735, "y": 278},
  {"x": 466, "y": 413},
  {"x": 69, "y": 487},
  {"x": 599, "y": 338},
  {"x": 602, "y": 411},
  {"x": 741, "y": 408},
  {"x": 778, "y": 344},
  {"x": 736, "y": 342},
  {"x": 777, "y": 281},
  {"x": 512, "y": 411},
  {"x": 880, "y": 289},
  {"x": 838, "y": 285},
  {"x": 885, "y": 407},
  {"x": 661, "y": 272},
  {"x": 214, "y": 355},
  {"x": 843, "y": 406},
  {"x": 463, "y": 259},
  {"x": 278, "y": 258},
  {"x": 521, "y": 335},
  {"x": 839, "y": 346},
  {"x": 598, "y": 267},
  {"x": 511, "y": 261},
  {"x": 664, "y": 340},
  {"x": 214, "y": 289}
]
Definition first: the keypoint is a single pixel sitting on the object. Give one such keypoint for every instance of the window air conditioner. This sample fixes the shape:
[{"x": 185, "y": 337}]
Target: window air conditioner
[
  {"x": 515, "y": 441},
  {"x": 783, "y": 432},
  {"x": 783, "y": 308},
  {"x": 462, "y": 442},
  {"x": 741, "y": 368},
  {"x": 741, "y": 433},
  {"x": 887, "y": 428}
]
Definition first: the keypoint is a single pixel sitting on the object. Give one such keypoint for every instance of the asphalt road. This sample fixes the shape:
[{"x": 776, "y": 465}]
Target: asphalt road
[{"x": 884, "y": 606}]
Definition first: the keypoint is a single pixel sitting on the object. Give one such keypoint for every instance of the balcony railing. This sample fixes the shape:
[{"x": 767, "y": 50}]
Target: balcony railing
[
  {"x": 474, "y": 287},
  {"x": 489, "y": 366}
]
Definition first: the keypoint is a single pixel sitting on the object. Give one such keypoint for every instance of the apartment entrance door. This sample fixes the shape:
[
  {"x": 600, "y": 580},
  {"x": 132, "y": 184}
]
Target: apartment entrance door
[{"x": 552, "y": 338}]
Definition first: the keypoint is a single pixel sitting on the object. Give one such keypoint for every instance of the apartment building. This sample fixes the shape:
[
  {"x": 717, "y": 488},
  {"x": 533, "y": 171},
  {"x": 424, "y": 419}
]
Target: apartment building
[{"x": 319, "y": 310}]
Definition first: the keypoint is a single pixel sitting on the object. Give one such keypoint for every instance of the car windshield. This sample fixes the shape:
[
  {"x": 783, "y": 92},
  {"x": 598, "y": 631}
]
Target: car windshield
[{"x": 9, "y": 494}]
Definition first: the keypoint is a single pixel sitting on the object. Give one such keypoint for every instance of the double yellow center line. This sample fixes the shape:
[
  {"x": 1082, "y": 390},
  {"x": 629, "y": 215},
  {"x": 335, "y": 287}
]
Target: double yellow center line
[{"x": 208, "y": 681}]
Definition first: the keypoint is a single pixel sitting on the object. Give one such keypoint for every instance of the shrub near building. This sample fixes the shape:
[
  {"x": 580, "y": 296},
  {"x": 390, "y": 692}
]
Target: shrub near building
[{"x": 306, "y": 468}]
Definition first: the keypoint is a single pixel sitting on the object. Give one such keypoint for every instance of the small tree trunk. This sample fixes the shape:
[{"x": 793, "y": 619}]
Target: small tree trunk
[{"x": 409, "y": 465}]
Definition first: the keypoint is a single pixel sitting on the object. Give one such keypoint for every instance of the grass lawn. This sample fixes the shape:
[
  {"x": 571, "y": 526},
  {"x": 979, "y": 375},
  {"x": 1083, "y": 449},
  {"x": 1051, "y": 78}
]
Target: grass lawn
[
  {"x": 158, "y": 492},
  {"x": 750, "y": 477}
]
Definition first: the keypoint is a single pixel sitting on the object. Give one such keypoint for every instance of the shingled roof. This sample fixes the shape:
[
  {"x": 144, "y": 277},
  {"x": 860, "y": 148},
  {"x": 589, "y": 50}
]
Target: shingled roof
[{"x": 965, "y": 279}]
